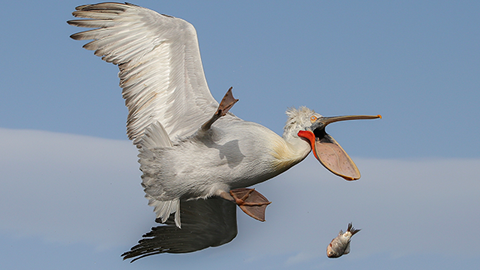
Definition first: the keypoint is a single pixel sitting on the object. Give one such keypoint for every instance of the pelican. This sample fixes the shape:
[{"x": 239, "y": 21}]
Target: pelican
[{"x": 193, "y": 152}]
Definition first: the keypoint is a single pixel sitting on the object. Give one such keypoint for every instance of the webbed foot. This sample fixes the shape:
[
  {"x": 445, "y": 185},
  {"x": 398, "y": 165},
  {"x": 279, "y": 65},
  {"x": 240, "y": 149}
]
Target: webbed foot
[
  {"x": 251, "y": 202},
  {"x": 225, "y": 105}
]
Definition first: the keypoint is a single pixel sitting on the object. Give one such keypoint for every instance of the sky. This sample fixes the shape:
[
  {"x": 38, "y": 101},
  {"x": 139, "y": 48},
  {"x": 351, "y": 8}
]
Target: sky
[{"x": 70, "y": 193}]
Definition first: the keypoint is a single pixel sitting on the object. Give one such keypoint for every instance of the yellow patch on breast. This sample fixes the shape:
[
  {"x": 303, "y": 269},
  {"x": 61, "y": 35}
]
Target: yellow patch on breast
[{"x": 284, "y": 155}]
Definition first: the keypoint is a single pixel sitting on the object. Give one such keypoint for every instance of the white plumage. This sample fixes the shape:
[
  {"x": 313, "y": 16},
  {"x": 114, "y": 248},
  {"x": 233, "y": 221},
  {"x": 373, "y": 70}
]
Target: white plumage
[
  {"x": 164, "y": 86},
  {"x": 161, "y": 72}
]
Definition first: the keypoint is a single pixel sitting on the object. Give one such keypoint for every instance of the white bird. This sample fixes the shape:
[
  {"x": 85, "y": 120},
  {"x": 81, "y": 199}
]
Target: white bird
[{"x": 191, "y": 147}]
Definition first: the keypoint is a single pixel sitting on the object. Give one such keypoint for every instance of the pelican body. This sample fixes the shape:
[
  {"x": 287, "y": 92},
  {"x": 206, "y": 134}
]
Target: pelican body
[
  {"x": 191, "y": 147},
  {"x": 232, "y": 154}
]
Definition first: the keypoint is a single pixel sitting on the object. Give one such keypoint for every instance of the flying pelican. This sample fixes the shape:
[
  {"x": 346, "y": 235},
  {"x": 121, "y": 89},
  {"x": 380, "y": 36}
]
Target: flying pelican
[{"x": 190, "y": 146}]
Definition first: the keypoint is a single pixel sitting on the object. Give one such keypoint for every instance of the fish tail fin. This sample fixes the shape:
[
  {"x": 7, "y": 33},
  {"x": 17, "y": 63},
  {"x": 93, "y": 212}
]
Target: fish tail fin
[{"x": 351, "y": 229}]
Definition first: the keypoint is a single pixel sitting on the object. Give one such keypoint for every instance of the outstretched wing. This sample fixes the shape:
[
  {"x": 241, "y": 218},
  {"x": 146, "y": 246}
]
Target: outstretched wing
[
  {"x": 161, "y": 71},
  {"x": 205, "y": 223}
]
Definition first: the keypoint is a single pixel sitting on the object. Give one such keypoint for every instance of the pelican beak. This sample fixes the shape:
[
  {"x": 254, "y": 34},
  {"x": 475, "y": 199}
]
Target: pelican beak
[{"x": 328, "y": 151}]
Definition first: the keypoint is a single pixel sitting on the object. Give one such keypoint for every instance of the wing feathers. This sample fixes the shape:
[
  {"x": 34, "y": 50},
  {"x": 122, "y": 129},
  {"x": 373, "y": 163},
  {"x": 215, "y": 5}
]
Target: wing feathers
[
  {"x": 160, "y": 67},
  {"x": 156, "y": 136},
  {"x": 89, "y": 24},
  {"x": 206, "y": 223}
]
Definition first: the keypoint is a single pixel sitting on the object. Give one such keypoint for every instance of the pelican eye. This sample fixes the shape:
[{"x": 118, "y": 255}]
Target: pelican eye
[{"x": 313, "y": 118}]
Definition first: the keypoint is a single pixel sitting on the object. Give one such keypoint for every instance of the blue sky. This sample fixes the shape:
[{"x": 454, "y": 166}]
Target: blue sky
[{"x": 70, "y": 191}]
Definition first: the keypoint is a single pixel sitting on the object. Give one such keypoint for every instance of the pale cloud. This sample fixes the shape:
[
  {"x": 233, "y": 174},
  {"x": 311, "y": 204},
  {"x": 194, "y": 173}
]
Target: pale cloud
[
  {"x": 71, "y": 188},
  {"x": 402, "y": 206},
  {"x": 301, "y": 257}
]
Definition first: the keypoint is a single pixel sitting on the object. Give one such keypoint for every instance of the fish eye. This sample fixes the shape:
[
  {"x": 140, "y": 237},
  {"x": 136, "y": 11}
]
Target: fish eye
[{"x": 313, "y": 118}]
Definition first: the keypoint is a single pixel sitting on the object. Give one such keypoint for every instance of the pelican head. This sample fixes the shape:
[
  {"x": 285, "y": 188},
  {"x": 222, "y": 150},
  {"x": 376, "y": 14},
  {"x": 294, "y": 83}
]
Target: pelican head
[{"x": 309, "y": 125}]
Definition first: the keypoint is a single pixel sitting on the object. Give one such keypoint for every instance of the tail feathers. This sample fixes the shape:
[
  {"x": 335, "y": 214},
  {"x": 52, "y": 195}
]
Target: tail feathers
[
  {"x": 164, "y": 209},
  {"x": 351, "y": 229},
  {"x": 156, "y": 137}
]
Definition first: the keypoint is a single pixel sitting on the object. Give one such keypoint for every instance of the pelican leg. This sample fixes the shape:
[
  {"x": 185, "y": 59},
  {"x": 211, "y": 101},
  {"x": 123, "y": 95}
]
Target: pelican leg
[
  {"x": 251, "y": 202},
  {"x": 227, "y": 103}
]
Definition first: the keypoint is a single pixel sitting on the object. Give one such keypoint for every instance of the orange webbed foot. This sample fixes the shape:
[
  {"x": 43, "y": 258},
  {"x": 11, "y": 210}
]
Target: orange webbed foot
[{"x": 251, "y": 202}]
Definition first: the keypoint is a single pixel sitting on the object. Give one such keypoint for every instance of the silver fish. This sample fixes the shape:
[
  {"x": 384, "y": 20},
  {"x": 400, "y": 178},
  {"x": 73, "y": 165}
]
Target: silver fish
[{"x": 340, "y": 245}]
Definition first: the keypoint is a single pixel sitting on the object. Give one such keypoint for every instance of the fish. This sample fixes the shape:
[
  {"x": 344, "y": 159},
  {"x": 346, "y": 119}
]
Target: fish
[{"x": 340, "y": 245}]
